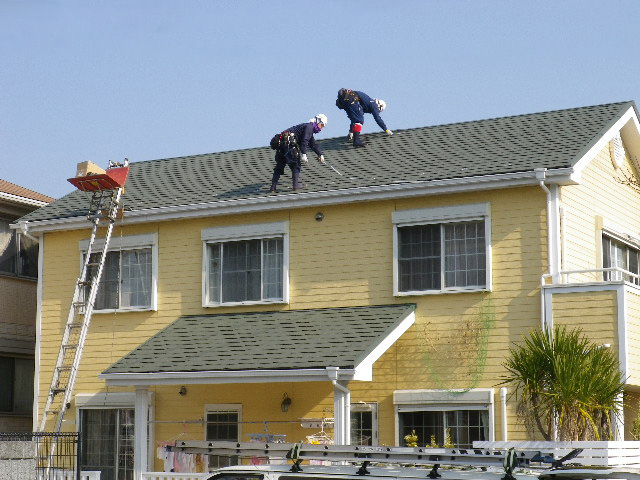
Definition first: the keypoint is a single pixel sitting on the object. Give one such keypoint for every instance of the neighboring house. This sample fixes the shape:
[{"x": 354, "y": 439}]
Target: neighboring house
[
  {"x": 385, "y": 296},
  {"x": 18, "y": 275}
]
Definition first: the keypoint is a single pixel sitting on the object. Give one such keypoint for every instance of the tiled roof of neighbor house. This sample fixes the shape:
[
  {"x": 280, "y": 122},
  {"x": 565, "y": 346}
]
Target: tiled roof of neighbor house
[
  {"x": 13, "y": 189},
  {"x": 292, "y": 339},
  {"x": 521, "y": 143}
]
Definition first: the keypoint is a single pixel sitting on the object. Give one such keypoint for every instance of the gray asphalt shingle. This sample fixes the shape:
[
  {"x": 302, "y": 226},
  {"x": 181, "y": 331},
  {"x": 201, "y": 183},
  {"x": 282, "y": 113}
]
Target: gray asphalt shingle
[
  {"x": 291, "y": 339},
  {"x": 495, "y": 146}
]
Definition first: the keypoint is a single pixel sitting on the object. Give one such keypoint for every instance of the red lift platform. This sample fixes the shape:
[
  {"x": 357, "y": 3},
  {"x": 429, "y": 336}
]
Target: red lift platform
[{"x": 111, "y": 179}]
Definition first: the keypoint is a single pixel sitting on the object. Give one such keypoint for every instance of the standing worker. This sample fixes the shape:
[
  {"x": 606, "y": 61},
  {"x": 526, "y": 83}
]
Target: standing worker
[
  {"x": 291, "y": 149},
  {"x": 356, "y": 104}
]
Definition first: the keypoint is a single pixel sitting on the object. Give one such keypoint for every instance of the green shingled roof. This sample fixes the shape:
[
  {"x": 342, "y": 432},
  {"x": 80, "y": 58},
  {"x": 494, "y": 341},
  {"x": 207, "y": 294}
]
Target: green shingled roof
[
  {"x": 520, "y": 143},
  {"x": 284, "y": 340}
]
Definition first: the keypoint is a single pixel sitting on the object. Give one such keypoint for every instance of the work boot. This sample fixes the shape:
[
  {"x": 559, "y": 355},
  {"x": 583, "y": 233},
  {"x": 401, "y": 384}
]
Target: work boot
[
  {"x": 274, "y": 183},
  {"x": 296, "y": 181},
  {"x": 357, "y": 141}
]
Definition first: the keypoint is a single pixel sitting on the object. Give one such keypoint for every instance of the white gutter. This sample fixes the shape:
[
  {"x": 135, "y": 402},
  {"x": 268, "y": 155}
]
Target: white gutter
[
  {"x": 22, "y": 200},
  {"x": 220, "y": 377},
  {"x": 311, "y": 199}
]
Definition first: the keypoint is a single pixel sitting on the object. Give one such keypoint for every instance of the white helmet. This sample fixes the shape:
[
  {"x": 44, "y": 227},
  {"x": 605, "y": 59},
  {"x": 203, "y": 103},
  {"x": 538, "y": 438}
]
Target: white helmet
[
  {"x": 381, "y": 104},
  {"x": 320, "y": 118}
]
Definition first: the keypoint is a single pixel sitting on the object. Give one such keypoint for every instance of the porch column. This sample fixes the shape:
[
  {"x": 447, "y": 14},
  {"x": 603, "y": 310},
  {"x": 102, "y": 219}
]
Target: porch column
[
  {"x": 140, "y": 451},
  {"x": 341, "y": 408}
]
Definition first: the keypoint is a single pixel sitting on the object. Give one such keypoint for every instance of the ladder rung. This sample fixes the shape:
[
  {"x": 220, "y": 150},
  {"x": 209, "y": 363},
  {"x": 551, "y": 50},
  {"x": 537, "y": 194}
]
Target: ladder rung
[
  {"x": 75, "y": 325},
  {"x": 51, "y": 412},
  {"x": 70, "y": 345},
  {"x": 56, "y": 391},
  {"x": 64, "y": 368},
  {"x": 84, "y": 283}
]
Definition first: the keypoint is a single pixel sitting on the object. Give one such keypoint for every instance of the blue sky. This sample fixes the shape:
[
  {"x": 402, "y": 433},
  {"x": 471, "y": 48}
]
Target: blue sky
[{"x": 148, "y": 79}]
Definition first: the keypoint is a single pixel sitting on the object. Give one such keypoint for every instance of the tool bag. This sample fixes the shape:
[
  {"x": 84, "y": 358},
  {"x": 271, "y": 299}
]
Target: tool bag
[{"x": 284, "y": 139}]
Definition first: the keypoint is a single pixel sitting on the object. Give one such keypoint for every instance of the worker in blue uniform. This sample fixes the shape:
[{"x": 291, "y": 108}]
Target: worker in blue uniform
[
  {"x": 291, "y": 149},
  {"x": 356, "y": 104}
]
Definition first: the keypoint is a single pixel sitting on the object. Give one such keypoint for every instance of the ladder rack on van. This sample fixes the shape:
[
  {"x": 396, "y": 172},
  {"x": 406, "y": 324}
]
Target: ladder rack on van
[{"x": 509, "y": 459}]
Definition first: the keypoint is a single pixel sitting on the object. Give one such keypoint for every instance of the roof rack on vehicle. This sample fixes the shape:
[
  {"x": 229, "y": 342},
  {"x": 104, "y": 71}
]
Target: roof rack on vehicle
[{"x": 509, "y": 459}]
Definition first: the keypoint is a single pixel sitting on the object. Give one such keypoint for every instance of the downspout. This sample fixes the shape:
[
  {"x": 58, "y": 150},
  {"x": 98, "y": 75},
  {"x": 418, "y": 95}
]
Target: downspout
[
  {"x": 503, "y": 404},
  {"x": 552, "y": 264},
  {"x": 341, "y": 409}
]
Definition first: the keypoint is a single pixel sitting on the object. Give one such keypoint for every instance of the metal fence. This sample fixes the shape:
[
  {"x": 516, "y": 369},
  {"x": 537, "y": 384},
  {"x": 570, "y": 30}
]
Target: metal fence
[{"x": 39, "y": 456}]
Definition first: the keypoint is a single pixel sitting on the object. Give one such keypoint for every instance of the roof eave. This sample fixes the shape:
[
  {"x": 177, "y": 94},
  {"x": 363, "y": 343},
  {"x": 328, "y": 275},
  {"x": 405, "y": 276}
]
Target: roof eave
[
  {"x": 222, "y": 377},
  {"x": 562, "y": 176},
  {"x": 626, "y": 121},
  {"x": 22, "y": 200}
]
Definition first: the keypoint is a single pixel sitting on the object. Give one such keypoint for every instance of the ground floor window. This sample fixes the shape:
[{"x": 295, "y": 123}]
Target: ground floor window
[
  {"x": 107, "y": 439},
  {"x": 223, "y": 424},
  {"x": 461, "y": 427},
  {"x": 364, "y": 423}
]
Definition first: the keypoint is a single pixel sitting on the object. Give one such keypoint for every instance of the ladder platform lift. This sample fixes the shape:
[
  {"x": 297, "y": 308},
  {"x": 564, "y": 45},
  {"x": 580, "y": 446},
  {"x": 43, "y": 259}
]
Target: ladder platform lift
[
  {"x": 104, "y": 189},
  {"x": 467, "y": 463},
  {"x": 112, "y": 179}
]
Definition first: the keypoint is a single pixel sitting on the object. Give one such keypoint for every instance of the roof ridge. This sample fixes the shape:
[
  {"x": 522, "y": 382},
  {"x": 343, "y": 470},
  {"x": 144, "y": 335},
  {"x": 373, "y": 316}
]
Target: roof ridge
[{"x": 466, "y": 122}]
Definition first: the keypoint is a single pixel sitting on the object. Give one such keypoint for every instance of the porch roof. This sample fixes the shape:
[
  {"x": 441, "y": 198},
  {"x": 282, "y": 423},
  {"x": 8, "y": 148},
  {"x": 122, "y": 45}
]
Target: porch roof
[{"x": 292, "y": 345}]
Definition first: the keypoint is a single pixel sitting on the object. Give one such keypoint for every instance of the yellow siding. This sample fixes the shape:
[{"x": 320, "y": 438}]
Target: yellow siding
[
  {"x": 599, "y": 195},
  {"x": 631, "y": 414},
  {"x": 594, "y": 312},
  {"x": 458, "y": 340},
  {"x": 632, "y": 298}
]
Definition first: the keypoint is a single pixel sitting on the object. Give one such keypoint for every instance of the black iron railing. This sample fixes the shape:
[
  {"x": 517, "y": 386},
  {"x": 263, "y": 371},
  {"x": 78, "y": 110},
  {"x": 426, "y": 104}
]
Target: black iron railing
[{"x": 41, "y": 455}]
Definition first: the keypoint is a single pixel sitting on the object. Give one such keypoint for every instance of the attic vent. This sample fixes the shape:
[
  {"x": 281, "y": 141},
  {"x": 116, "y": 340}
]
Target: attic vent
[{"x": 618, "y": 153}]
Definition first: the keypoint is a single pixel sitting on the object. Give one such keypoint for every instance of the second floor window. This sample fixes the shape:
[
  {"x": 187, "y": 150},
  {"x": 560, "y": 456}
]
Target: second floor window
[
  {"x": 441, "y": 256},
  {"x": 126, "y": 280},
  {"x": 245, "y": 271},
  {"x": 129, "y": 276},
  {"x": 623, "y": 256},
  {"x": 442, "y": 249},
  {"x": 18, "y": 253}
]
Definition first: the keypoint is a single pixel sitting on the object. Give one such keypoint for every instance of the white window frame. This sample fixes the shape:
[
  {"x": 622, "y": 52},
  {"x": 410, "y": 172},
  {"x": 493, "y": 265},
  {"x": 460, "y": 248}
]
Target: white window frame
[
  {"x": 123, "y": 243},
  {"x": 245, "y": 232},
  {"x": 441, "y": 215},
  {"x": 627, "y": 239},
  {"x": 117, "y": 401},
  {"x": 373, "y": 408},
  {"x": 436, "y": 400}
]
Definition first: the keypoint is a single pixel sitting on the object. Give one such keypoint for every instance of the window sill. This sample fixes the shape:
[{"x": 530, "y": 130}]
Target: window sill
[
  {"x": 18, "y": 277},
  {"x": 125, "y": 310},
  {"x": 239, "y": 304},
  {"x": 441, "y": 292}
]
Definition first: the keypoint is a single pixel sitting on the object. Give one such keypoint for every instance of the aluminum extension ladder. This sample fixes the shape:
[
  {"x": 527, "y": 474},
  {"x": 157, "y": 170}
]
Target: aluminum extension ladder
[
  {"x": 106, "y": 191},
  {"x": 508, "y": 459}
]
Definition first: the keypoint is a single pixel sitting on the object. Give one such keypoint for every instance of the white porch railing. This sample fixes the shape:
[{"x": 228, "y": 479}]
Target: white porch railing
[
  {"x": 611, "y": 274},
  {"x": 174, "y": 476},
  {"x": 607, "y": 454}
]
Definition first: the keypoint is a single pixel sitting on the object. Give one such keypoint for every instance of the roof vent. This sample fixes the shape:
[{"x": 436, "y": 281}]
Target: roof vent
[{"x": 618, "y": 153}]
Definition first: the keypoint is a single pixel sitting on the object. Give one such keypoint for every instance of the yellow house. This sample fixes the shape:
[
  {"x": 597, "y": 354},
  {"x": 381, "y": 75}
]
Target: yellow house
[{"x": 383, "y": 298}]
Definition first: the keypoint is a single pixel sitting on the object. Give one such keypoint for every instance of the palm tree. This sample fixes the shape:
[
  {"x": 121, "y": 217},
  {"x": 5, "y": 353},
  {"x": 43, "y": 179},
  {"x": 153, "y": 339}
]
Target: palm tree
[{"x": 564, "y": 382}]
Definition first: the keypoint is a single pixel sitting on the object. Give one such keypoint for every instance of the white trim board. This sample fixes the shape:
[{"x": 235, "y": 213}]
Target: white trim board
[{"x": 563, "y": 176}]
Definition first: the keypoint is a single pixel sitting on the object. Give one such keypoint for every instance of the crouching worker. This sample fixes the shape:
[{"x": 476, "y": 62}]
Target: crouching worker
[
  {"x": 356, "y": 104},
  {"x": 291, "y": 149}
]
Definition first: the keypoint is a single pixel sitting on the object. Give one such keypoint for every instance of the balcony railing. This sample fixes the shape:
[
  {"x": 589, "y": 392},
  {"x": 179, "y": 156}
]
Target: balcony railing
[{"x": 611, "y": 274}]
